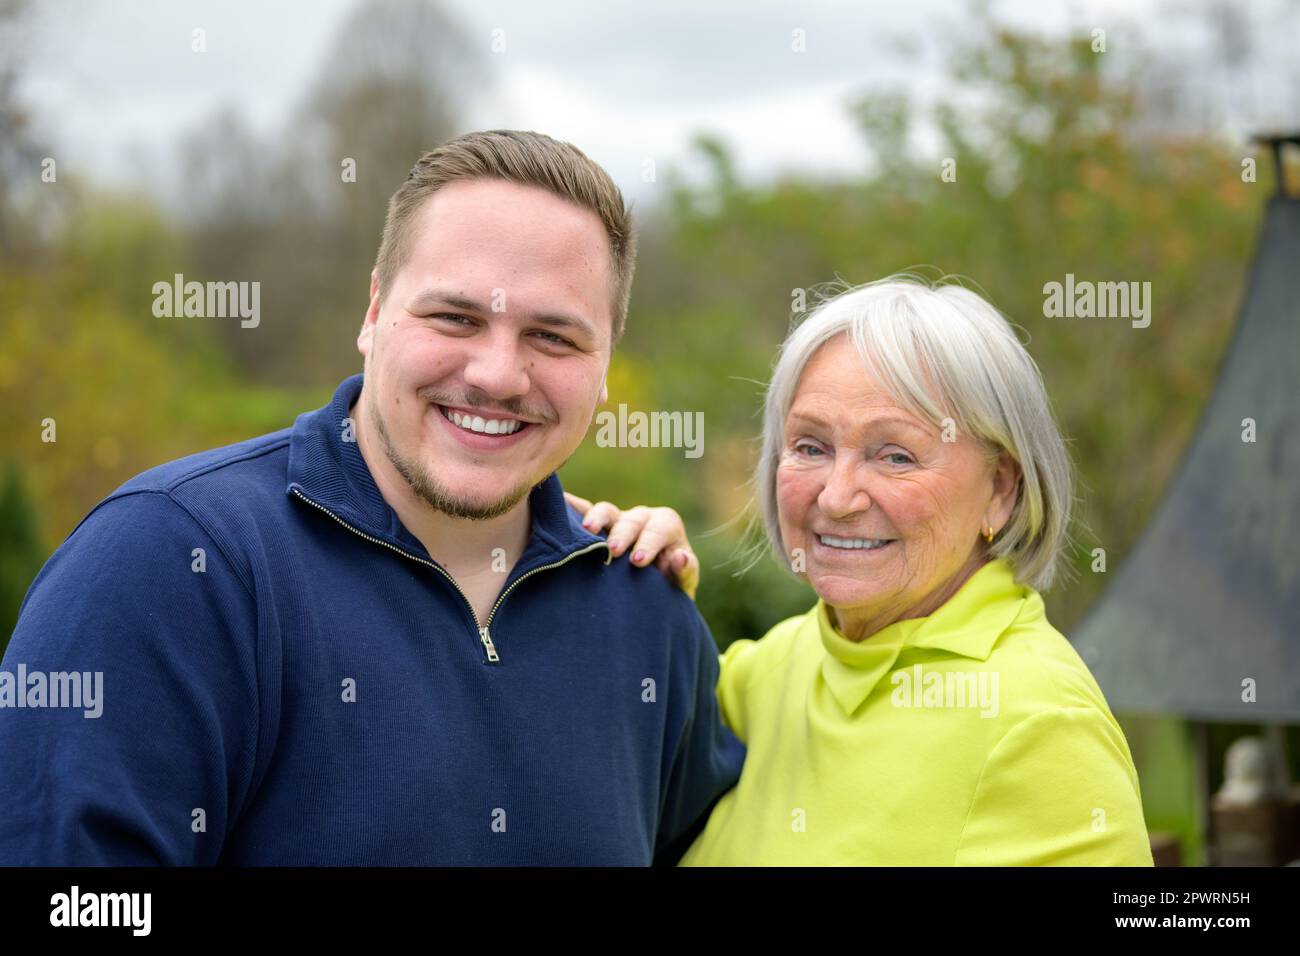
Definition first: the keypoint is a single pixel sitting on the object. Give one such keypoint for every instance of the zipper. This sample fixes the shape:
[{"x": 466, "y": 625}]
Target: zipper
[
  {"x": 528, "y": 574},
  {"x": 484, "y": 637},
  {"x": 484, "y": 632}
]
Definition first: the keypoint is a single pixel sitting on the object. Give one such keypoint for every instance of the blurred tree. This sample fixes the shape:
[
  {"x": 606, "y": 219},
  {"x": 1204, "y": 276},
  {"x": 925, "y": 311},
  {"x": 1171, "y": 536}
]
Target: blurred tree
[
  {"x": 303, "y": 212},
  {"x": 1067, "y": 161},
  {"x": 19, "y": 156},
  {"x": 125, "y": 390},
  {"x": 1056, "y": 174}
]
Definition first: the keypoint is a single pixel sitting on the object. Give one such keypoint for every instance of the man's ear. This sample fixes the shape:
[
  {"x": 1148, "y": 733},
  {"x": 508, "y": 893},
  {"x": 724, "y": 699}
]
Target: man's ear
[{"x": 366, "y": 337}]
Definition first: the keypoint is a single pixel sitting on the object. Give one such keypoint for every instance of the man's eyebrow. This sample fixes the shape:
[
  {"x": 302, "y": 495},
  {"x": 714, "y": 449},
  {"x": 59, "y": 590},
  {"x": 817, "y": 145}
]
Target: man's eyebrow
[
  {"x": 429, "y": 298},
  {"x": 433, "y": 298},
  {"x": 812, "y": 418}
]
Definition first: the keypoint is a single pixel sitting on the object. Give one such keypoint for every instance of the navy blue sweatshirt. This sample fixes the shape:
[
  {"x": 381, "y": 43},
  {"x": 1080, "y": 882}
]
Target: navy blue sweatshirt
[{"x": 289, "y": 678}]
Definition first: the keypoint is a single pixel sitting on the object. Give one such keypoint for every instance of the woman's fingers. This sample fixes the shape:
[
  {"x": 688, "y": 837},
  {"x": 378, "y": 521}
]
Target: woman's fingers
[
  {"x": 649, "y": 535},
  {"x": 581, "y": 505},
  {"x": 662, "y": 529},
  {"x": 601, "y": 515},
  {"x": 683, "y": 567},
  {"x": 627, "y": 530}
]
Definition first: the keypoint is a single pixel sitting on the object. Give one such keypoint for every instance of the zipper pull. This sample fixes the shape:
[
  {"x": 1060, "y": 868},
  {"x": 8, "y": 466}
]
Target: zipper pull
[{"x": 486, "y": 638}]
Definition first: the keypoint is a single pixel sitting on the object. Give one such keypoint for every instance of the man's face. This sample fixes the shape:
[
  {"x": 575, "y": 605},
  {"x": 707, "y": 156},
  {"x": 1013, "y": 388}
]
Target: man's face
[{"x": 487, "y": 359}]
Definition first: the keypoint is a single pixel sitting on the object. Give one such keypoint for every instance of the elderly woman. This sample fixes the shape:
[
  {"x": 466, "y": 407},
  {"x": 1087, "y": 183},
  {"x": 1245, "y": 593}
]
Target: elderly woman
[{"x": 924, "y": 711}]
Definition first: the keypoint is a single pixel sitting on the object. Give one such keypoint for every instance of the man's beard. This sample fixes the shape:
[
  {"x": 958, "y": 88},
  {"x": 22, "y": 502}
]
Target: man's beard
[{"x": 427, "y": 488}]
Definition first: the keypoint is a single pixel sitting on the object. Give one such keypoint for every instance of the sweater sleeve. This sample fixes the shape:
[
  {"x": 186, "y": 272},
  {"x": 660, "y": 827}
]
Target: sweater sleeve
[
  {"x": 708, "y": 757},
  {"x": 735, "y": 665},
  {"x": 746, "y": 661},
  {"x": 1058, "y": 789},
  {"x": 142, "y": 604}
]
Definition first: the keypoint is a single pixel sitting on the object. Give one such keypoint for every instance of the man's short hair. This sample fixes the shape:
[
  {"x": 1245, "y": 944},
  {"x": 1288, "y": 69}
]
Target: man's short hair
[{"x": 526, "y": 158}]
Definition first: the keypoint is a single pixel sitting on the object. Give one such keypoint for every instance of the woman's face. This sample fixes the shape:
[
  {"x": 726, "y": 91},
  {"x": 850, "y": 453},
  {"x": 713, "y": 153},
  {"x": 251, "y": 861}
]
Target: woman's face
[{"x": 882, "y": 514}]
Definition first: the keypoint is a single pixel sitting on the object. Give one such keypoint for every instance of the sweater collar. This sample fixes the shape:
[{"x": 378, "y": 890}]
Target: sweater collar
[
  {"x": 968, "y": 624},
  {"x": 326, "y": 466}
]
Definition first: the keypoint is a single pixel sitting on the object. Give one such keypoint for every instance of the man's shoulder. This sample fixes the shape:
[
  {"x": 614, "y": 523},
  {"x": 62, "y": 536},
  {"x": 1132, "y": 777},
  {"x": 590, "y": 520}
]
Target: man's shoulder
[
  {"x": 250, "y": 461},
  {"x": 647, "y": 588},
  {"x": 640, "y": 604},
  {"x": 224, "y": 493},
  {"x": 212, "y": 486}
]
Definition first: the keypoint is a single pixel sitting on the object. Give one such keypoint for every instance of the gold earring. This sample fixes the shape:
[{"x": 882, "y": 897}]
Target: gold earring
[{"x": 988, "y": 535}]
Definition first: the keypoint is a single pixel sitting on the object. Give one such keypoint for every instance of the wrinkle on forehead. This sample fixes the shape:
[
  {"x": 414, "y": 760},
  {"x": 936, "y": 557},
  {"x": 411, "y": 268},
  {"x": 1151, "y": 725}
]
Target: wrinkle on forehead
[{"x": 836, "y": 358}]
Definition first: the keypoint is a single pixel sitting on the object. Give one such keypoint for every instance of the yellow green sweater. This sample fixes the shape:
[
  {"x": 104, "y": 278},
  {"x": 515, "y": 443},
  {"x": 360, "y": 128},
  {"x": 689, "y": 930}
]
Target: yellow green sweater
[{"x": 974, "y": 736}]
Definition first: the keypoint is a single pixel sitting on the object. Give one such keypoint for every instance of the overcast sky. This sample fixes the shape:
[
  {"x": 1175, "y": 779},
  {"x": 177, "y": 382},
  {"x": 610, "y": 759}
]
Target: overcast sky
[{"x": 114, "y": 83}]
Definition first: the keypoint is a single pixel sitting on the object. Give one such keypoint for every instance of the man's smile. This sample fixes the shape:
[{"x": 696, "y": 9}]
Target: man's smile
[{"x": 483, "y": 430}]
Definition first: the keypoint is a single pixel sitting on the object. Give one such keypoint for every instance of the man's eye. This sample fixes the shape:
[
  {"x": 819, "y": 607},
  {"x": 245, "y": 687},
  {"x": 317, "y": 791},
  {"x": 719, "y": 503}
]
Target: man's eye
[
  {"x": 554, "y": 339},
  {"x": 453, "y": 318}
]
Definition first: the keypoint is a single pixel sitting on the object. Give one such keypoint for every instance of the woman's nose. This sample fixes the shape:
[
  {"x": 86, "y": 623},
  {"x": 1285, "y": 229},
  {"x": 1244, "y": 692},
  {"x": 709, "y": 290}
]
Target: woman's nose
[{"x": 844, "y": 493}]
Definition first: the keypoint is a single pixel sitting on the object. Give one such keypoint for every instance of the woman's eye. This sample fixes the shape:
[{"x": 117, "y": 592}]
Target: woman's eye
[
  {"x": 807, "y": 449},
  {"x": 906, "y": 459}
]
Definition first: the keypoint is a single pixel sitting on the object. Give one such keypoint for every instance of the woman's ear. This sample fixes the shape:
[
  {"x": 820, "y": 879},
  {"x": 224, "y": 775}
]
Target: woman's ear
[{"x": 1006, "y": 488}]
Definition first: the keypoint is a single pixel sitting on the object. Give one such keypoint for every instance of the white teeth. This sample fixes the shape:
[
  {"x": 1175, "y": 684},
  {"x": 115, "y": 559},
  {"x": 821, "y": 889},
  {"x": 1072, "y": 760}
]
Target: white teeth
[
  {"x": 493, "y": 426},
  {"x": 863, "y": 544}
]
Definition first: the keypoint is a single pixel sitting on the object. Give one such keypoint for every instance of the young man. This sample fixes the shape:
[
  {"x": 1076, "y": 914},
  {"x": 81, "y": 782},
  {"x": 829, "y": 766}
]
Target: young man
[{"x": 381, "y": 636}]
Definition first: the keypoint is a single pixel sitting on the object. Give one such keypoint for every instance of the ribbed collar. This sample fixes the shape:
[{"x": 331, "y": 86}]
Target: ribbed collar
[
  {"x": 328, "y": 469},
  {"x": 968, "y": 624}
]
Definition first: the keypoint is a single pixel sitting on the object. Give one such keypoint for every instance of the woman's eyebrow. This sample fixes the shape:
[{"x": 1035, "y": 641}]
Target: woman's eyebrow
[{"x": 815, "y": 419}]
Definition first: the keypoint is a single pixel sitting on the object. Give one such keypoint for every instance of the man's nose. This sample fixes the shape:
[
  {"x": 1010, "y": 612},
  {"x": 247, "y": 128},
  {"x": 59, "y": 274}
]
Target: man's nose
[
  {"x": 497, "y": 367},
  {"x": 844, "y": 493}
]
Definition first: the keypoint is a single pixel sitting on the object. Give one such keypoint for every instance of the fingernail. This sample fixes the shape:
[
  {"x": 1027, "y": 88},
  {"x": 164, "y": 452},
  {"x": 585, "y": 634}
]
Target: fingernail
[
  {"x": 613, "y": 545},
  {"x": 638, "y": 557}
]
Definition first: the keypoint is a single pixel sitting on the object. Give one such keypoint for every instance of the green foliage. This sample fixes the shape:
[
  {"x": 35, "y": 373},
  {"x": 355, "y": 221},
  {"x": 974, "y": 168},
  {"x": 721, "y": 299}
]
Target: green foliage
[
  {"x": 125, "y": 390},
  {"x": 1056, "y": 173},
  {"x": 20, "y": 548},
  {"x": 740, "y": 601},
  {"x": 1163, "y": 751}
]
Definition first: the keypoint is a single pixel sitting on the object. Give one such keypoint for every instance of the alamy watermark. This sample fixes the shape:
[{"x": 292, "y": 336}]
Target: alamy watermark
[
  {"x": 1102, "y": 300},
  {"x": 209, "y": 300},
  {"x": 73, "y": 689},
  {"x": 651, "y": 430},
  {"x": 75, "y": 908},
  {"x": 941, "y": 689}
]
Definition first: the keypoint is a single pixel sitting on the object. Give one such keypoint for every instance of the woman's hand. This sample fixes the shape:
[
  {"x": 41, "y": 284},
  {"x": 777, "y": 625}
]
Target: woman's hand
[{"x": 651, "y": 534}]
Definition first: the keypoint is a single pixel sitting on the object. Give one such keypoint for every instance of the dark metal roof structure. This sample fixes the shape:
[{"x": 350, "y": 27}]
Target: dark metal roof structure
[{"x": 1210, "y": 594}]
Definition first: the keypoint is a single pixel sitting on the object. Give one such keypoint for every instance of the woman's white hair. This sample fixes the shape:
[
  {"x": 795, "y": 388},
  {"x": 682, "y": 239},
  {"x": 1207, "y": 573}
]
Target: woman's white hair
[{"x": 911, "y": 332}]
